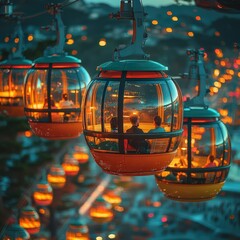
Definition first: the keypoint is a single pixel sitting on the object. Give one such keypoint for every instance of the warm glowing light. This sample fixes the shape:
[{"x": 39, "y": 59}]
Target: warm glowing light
[
  {"x": 169, "y": 30},
  {"x": 222, "y": 80},
  {"x": 175, "y": 19},
  {"x": 230, "y": 71},
  {"x": 28, "y": 133},
  {"x": 102, "y": 42},
  {"x": 198, "y": 18},
  {"x": 71, "y": 170},
  {"x": 224, "y": 100},
  {"x": 217, "y": 84},
  {"x": 68, "y": 36},
  {"x": 99, "y": 238},
  {"x": 205, "y": 56},
  {"x": 56, "y": 181},
  {"x": 56, "y": 177},
  {"x": 16, "y": 40},
  {"x": 223, "y": 63},
  {"x": 154, "y": 22},
  {"x": 214, "y": 89},
  {"x": 218, "y": 52},
  {"x": 43, "y": 198},
  {"x": 157, "y": 204},
  {"x": 70, "y": 166},
  {"x": 227, "y": 120},
  {"x": 77, "y": 231},
  {"x": 81, "y": 157},
  {"x": 238, "y": 74},
  {"x": 42, "y": 211},
  {"x": 190, "y": 34},
  {"x": 217, "y": 34},
  {"x": 216, "y": 72},
  {"x": 237, "y": 61},
  {"x": 223, "y": 112},
  {"x": 74, "y": 52},
  {"x": 111, "y": 236},
  {"x": 119, "y": 208},
  {"x": 169, "y": 13},
  {"x": 70, "y": 41},
  {"x": 227, "y": 77},
  {"x": 6, "y": 39},
  {"x": 112, "y": 197},
  {"x": 101, "y": 212},
  {"x": 29, "y": 220},
  {"x": 30, "y": 37}
]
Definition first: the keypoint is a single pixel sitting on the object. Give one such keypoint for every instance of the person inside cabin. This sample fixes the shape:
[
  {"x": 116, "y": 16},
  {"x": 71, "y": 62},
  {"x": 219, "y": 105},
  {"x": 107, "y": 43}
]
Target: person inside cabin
[
  {"x": 210, "y": 164},
  {"x": 136, "y": 144},
  {"x": 65, "y": 102},
  {"x": 157, "y": 145},
  {"x": 157, "y": 120}
]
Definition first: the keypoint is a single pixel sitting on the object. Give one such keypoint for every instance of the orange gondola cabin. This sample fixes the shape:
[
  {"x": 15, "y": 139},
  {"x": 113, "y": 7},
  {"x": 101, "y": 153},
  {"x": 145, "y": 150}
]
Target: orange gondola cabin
[
  {"x": 122, "y": 103},
  {"x": 201, "y": 166},
  {"x": 53, "y": 91}
]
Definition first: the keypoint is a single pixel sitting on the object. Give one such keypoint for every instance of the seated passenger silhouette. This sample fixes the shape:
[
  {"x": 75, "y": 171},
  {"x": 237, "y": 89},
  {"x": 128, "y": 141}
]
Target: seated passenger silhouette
[
  {"x": 158, "y": 145},
  {"x": 157, "y": 125},
  {"x": 210, "y": 175},
  {"x": 65, "y": 102},
  {"x": 137, "y": 143}
]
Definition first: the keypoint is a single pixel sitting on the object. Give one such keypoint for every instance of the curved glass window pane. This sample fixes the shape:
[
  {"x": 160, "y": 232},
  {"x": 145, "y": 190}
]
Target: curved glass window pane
[
  {"x": 93, "y": 106},
  {"x": 36, "y": 89},
  {"x": 65, "y": 88},
  {"x": 168, "y": 107},
  {"x": 4, "y": 87},
  {"x": 4, "y": 84},
  {"x": 227, "y": 146},
  {"x": 207, "y": 140},
  {"x": 146, "y": 100},
  {"x": 111, "y": 107},
  {"x": 17, "y": 79},
  {"x": 84, "y": 79},
  {"x": 177, "y": 105}
]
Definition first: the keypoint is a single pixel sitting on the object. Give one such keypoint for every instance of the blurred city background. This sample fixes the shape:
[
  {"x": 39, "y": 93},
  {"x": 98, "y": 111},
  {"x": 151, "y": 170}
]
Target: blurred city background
[{"x": 141, "y": 210}]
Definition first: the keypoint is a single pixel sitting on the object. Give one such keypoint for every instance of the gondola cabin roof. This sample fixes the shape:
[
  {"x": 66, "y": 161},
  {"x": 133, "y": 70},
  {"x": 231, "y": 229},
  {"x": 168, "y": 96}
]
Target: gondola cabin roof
[
  {"x": 200, "y": 112},
  {"x": 57, "y": 59},
  {"x": 132, "y": 65},
  {"x": 15, "y": 63}
]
